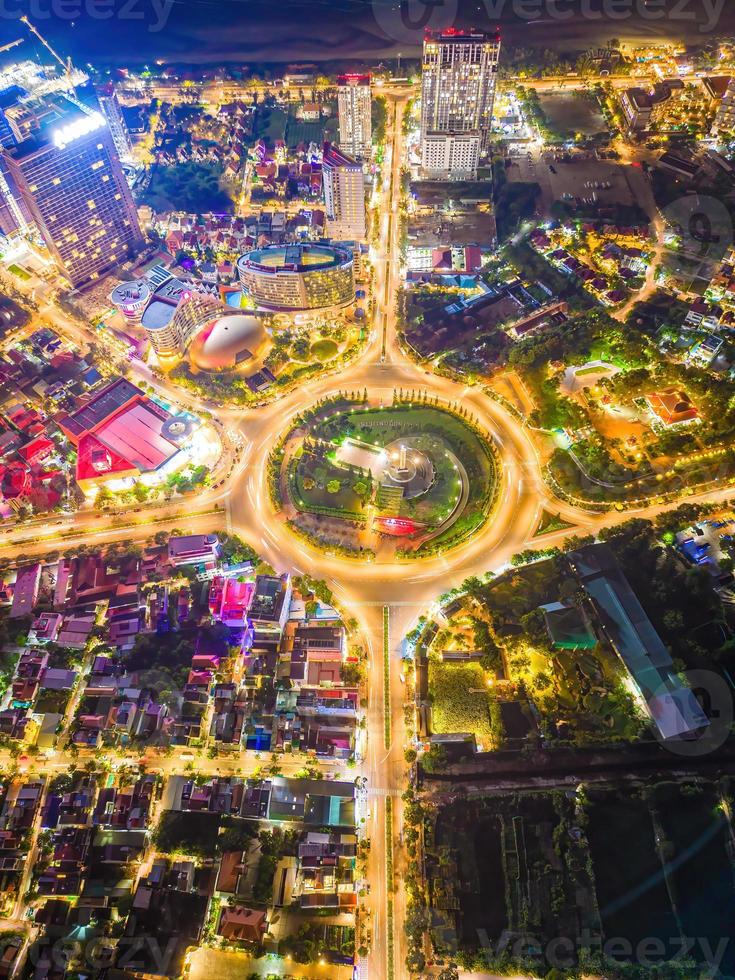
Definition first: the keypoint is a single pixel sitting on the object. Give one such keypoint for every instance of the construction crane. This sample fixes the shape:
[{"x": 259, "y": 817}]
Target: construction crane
[
  {"x": 66, "y": 65},
  {"x": 13, "y": 44}
]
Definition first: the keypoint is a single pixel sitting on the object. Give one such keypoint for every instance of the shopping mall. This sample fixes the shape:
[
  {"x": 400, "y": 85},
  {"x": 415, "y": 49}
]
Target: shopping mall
[{"x": 298, "y": 278}]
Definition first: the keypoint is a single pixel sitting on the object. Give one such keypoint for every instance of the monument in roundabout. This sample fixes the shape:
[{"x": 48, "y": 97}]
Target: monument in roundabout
[{"x": 359, "y": 478}]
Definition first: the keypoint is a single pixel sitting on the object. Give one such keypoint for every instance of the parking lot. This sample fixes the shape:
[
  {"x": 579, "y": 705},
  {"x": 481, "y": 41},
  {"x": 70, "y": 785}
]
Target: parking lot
[
  {"x": 572, "y": 178},
  {"x": 559, "y": 177}
]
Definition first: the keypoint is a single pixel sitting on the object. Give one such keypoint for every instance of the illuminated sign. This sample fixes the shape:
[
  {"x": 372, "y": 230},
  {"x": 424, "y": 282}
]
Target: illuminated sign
[{"x": 80, "y": 127}]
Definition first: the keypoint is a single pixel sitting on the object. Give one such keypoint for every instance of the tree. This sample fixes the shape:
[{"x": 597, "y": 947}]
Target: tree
[
  {"x": 333, "y": 486},
  {"x": 103, "y": 498},
  {"x": 435, "y": 759},
  {"x": 449, "y": 972}
]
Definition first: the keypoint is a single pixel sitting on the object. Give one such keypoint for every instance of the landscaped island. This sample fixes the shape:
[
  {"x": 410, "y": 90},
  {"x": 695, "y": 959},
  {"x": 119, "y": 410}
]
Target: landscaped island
[{"x": 413, "y": 477}]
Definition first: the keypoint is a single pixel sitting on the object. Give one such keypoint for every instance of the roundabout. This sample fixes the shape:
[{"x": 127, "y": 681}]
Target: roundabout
[
  {"x": 386, "y": 481},
  {"x": 454, "y": 471}
]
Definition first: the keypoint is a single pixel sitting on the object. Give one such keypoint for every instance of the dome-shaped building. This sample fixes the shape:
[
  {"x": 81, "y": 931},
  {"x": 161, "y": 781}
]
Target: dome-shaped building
[{"x": 228, "y": 342}]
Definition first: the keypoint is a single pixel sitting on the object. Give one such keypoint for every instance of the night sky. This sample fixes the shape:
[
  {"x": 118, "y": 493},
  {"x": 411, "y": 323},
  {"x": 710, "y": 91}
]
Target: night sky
[{"x": 246, "y": 31}]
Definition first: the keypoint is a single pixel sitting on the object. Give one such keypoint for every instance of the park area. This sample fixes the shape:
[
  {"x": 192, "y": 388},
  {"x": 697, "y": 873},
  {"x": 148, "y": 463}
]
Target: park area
[
  {"x": 319, "y": 486},
  {"x": 460, "y": 701},
  {"x": 351, "y": 460},
  {"x": 193, "y": 187},
  {"x": 580, "y": 696}
]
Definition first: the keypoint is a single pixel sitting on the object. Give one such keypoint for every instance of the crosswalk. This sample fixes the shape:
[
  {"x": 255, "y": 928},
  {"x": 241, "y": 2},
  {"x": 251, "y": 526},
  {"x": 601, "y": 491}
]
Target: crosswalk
[{"x": 380, "y": 791}]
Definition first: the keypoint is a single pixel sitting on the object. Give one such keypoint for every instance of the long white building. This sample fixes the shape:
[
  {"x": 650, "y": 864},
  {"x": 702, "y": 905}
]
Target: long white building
[{"x": 344, "y": 196}]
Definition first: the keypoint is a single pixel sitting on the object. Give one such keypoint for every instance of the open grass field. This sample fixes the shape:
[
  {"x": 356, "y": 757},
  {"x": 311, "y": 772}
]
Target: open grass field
[
  {"x": 459, "y": 700},
  {"x": 324, "y": 350}
]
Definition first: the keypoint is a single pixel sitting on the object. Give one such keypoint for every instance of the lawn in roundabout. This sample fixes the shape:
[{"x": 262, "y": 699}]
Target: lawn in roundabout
[{"x": 411, "y": 470}]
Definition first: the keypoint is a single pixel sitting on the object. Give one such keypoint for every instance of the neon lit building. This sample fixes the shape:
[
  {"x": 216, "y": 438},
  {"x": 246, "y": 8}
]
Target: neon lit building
[
  {"x": 344, "y": 196},
  {"x": 298, "y": 277},
  {"x": 120, "y": 434},
  {"x": 355, "y": 115},
  {"x": 459, "y": 75},
  {"x": 68, "y": 178}
]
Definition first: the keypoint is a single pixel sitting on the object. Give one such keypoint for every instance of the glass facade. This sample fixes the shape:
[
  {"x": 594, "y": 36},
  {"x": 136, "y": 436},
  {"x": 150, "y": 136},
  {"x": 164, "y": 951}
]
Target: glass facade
[{"x": 78, "y": 197}]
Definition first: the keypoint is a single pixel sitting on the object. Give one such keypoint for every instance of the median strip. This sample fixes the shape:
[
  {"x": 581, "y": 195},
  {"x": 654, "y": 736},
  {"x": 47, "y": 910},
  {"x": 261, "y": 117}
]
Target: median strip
[
  {"x": 390, "y": 971},
  {"x": 386, "y": 677}
]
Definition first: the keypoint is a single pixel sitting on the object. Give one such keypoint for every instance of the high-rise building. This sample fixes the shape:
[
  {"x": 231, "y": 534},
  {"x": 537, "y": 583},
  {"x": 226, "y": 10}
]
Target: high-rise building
[
  {"x": 344, "y": 195},
  {"x": 355, "y": 115},
  {"x": 458, "y": 80},
  {"x": 66, "y": 175},
  {"x": 107, "y": 98}
]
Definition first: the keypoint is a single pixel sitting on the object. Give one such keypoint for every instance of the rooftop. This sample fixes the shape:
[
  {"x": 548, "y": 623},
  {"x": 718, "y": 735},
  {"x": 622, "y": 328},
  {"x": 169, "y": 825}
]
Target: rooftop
[
  {"x": 294, "y": 258},
  {"x": 672, "y": 705}
]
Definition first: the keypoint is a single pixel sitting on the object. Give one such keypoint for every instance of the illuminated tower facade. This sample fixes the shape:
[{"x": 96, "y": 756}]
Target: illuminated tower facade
[
  {"x": 69, "y": 180},
  {"x": 110, "y": 106},
  {"x": 355, "y": 115},
  {"x": 458, "y": 80},
  {"x": 344, "y": 196}
]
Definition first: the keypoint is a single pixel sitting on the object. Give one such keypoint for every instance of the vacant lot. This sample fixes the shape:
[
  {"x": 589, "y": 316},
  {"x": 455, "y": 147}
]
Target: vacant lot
[
  {"x": 697, "y": 827},
  {"x": 459, "y": 700},
  {"x": 225, "y": 965},
  {"x": 631, "y": 890},
  {"x": 570, "y": 113},
  {"x": 518, "y": 867}
]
